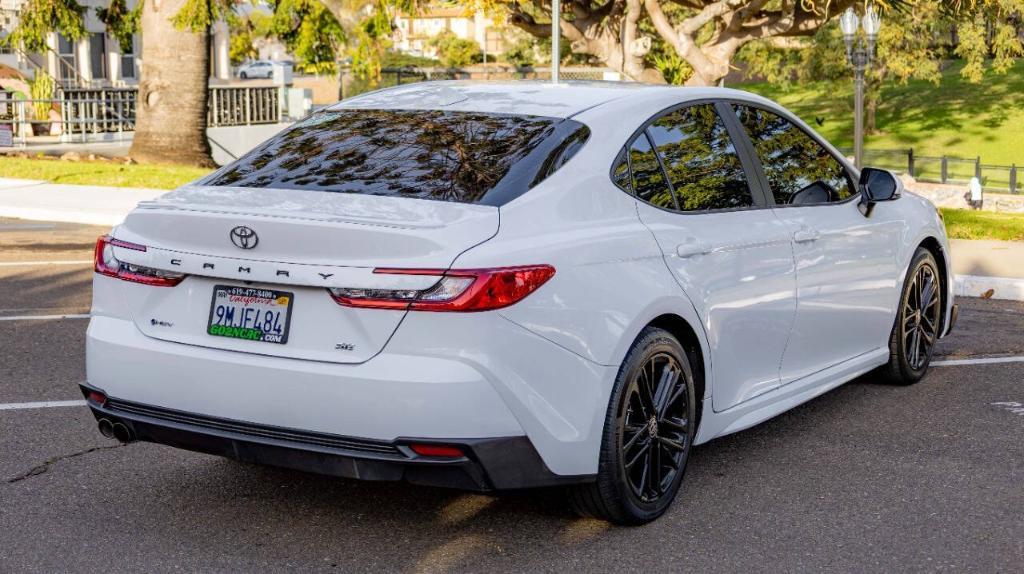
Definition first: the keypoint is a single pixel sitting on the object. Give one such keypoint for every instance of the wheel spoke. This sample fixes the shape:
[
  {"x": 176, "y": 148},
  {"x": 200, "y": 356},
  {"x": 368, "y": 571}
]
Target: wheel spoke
[
  {"x": 669, "y": 443},
  {"x": 644, "y": 450},
  {"x": 655, "y": 473},
  {"x": 633, "y": 440},
  {"x": 680, "y": 426},
  {"x": 668, "y": 383}
]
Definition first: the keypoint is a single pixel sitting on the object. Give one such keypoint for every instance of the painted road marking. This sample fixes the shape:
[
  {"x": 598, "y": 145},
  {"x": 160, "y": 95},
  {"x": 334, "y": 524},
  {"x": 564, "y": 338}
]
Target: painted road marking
[
  {"x": 984, "y": 361},
  {"x": 43, "y": 317},
  {"x": 40, "y": 405},
  {"x": 39, "y": 263}
]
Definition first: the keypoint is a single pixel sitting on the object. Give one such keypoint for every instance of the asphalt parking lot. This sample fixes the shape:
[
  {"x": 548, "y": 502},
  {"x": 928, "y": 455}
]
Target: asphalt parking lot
[{"x": 868, "y": 477}]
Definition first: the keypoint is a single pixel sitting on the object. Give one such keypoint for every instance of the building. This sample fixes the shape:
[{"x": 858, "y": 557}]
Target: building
[
  {"x": 97, "y": 59},
  {"x": 413, "y": 32}
]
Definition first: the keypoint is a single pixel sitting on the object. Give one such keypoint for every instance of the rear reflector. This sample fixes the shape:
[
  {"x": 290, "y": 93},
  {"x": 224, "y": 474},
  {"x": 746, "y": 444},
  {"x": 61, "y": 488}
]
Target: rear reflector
[
  {"x": 457, "y": 290},
  {"x": 105, "y": 263},
  {"x": 438, "y": 450},
  {"x": 97, "y": 397}
]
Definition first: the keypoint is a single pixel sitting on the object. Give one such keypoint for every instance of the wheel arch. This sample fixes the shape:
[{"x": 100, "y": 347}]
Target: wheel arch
[
  {"x": 681, "y": 329},
  {"x": 933, "y": 246}
]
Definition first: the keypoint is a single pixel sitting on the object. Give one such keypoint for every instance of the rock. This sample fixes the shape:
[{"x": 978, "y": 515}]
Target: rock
[
  {"x": 91, "y": 157},
  {"x": 71, "y": 156}
]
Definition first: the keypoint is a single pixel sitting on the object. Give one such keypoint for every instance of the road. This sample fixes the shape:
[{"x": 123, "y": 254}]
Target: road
[{"x": 868, "y": 477}]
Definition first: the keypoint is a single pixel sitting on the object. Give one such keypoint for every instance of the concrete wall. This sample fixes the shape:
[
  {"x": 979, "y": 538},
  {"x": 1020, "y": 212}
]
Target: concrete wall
[{"x": 237, "y": 140}]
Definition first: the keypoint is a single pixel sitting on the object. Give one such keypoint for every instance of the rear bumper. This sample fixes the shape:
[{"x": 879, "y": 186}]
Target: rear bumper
[{"x": 499, "y": 463}]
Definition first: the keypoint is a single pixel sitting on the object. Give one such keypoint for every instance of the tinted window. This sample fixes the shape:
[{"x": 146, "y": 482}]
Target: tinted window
[
  {"x": 800, "y": 171},
  {"x": 620, "y": 172},
  {"x": 448, "y": 156},
  {"x": 702, "y": 164},
  {"x": 649, "y": 182}
]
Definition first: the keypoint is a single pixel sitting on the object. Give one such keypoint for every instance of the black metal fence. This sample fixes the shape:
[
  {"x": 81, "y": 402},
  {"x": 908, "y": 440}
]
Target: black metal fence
[{"x": 943, "y": 169}]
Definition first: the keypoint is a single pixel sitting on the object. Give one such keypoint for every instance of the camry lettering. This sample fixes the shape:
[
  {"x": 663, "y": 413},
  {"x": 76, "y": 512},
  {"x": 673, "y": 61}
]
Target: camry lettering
[
  {"x": 175, "y": 261},
  {"x": 244, "y": 270}
]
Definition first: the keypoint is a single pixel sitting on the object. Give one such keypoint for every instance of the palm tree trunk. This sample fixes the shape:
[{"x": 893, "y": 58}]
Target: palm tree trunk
[{"x": 170, "y": 125}]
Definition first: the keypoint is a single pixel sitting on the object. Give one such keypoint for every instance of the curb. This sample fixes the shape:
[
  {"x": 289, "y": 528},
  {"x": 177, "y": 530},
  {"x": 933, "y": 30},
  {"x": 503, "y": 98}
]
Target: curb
[{"x": 1005, "y": 288}]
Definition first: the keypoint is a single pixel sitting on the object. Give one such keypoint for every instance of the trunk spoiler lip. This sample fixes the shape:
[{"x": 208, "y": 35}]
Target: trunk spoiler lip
[{"x": 429, "y": 214}]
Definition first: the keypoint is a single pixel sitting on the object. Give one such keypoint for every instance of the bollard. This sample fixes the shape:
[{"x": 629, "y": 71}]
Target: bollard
[
  {"x": 945, "y": 170},
  {"x": 910, "y": 162},
  {"x": 1013, "y": 178}
]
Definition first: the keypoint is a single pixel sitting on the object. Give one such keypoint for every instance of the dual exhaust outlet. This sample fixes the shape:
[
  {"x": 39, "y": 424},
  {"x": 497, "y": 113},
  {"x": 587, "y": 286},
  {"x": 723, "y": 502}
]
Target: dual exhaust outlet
[{"x": 116, "y": 430}]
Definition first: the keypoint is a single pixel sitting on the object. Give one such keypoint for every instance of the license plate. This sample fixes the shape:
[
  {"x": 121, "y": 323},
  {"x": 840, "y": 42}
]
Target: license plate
[{"x": 250, "y": 314}]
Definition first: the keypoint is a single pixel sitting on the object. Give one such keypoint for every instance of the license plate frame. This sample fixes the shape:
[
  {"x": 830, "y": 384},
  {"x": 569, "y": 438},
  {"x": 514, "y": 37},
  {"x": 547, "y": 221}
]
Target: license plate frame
[{"x": 262, "y": 299}]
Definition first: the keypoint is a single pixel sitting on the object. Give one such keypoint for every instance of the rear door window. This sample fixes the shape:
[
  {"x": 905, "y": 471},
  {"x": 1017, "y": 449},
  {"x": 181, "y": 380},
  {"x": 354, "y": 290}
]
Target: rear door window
[
  {"x": 701, "y": 161},
  {"x": 463, "y": 157}
]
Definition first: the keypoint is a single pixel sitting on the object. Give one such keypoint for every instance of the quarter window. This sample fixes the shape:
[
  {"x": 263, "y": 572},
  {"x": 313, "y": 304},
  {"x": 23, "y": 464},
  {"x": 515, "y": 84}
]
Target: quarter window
[
  {"x": 701, "y": 161},
  {"x": 800, "y": 171},
  {"x": 620, "y": 173},
  {"x": 649, "y": 182}
]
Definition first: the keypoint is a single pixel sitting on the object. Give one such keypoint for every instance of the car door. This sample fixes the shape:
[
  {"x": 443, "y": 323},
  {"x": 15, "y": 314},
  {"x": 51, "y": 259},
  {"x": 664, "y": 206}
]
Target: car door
[
  {"x": 846, "y": 263},
  {"x": 726, "y": 248}
]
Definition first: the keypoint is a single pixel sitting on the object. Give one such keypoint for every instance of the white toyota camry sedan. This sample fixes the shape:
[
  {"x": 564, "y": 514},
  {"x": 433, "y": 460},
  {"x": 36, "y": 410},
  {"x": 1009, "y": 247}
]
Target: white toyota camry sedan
[{"x": 507, "y": 285}]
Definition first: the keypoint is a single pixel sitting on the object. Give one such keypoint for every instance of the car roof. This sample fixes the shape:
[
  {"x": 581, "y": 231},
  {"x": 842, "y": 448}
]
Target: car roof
[{"x": 562, "y": 100}]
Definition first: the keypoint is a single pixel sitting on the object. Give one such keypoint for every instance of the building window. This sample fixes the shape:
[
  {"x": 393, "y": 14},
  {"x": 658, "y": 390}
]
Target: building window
[
  {"x": 67, "y": 61},
  {"x": 128, "y": 62},
  {"x": 98, "y": 55}
]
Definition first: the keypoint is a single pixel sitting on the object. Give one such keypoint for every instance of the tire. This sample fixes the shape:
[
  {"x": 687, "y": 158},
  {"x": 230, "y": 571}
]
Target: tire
[
  {"x": 243, "y": 76},
  {"x": 915, "y": 330},
  {"x": 625, "y": 491}
]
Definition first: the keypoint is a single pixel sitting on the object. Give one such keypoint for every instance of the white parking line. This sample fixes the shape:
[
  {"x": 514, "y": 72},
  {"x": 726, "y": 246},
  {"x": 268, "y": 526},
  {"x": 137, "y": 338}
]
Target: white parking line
[
  {"x": 40, "y": 405},
  {"x": 40, "y": 263},
  {"x": 43, "y": 317},
  {"x": 986, "y": 361}
]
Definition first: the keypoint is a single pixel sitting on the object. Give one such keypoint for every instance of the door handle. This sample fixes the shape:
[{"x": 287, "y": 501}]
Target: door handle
[
  {"x": 690, "y": 247},
  {"x": 806, "y": 235}
]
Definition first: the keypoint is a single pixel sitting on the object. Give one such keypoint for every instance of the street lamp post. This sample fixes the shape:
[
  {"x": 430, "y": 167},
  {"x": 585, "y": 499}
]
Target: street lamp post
[{"x": 859, "y": 55}]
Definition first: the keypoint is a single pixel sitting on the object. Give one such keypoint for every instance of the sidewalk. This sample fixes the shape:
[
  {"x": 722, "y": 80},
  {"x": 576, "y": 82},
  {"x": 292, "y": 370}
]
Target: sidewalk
[
  {"x": 978, "y": 265},
  {"x": 40, "y": 200}
]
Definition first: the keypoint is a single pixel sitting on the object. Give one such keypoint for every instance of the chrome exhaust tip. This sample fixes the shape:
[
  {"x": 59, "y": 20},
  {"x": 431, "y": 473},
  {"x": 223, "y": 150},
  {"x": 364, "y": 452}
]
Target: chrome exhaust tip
[
  {"x": 123, "y": 433},
  {"x": 106, "y": 428}
]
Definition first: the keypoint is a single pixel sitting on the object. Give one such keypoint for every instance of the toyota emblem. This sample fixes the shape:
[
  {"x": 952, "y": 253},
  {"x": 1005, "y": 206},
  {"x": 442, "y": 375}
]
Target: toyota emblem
[{"x": 244, "y": 238}]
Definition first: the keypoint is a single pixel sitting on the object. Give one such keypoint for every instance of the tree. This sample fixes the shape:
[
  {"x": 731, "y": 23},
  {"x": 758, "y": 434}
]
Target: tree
[
  {"x": 170, "y": 122},
  {"x": 311, "y": 33},
  {"x": 455, "y": 52},
  {"x": 910, "y": 46},
  {"x": 701, "y": 36}
]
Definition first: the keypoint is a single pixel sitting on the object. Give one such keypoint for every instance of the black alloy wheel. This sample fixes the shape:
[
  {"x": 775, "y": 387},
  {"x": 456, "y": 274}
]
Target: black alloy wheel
[
  {"x": 918, "y": 321},
  {"x": 649, "y": 429}
]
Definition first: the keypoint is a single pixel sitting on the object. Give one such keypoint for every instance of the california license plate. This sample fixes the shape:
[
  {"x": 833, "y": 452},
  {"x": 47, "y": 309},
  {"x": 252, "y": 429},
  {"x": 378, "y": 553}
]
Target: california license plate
[{"x": 250, "y": 314}]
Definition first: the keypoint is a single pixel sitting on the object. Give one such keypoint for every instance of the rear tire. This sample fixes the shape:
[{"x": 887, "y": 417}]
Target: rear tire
[
  {"x": 243, "y": 76},
  {"x": 648, "y": 431},
  {"x": 918, "y": 321}
]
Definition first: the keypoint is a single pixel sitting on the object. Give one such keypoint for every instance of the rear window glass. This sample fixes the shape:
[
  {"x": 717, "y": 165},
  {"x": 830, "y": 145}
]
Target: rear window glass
[{"x": 448, "y": 156}]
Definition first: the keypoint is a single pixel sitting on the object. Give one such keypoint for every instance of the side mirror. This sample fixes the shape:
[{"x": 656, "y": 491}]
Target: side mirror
[{"x": 878, "y": 185}]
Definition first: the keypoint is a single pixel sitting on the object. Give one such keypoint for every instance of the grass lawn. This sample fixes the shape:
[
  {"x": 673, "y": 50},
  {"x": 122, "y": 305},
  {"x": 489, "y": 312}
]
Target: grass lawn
[
  {"x": 955, "y": 118},
  {"x": 969, "y": 224},
  {"x": 103, "y": 173}
]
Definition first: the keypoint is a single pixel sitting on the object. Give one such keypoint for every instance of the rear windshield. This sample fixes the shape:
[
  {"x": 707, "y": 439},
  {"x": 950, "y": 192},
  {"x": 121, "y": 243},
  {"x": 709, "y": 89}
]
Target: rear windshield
[{"x": 465, "y": 157}]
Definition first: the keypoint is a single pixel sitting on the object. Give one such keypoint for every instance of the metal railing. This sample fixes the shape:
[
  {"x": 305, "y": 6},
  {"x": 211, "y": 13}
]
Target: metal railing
[
  {"x": 85, "y": 112},
  {"x": 944, "y": 169},
  {"x": 243, "y": 106}
]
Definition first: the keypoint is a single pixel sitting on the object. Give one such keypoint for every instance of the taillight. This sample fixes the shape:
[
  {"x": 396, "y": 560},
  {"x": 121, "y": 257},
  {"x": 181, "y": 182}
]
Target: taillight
[
  {"x": 456, "y": 290},
  {"x": 105, "y": 263}
]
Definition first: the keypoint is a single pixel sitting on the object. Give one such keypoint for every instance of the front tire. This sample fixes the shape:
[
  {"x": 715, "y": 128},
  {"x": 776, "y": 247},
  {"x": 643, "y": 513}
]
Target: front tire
[
  {"x": 649, "y": 428},
  {"x": 918, "y": 321}
]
